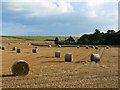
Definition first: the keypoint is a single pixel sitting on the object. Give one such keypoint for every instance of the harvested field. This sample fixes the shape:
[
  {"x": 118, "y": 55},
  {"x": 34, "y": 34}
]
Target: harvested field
[{"x": 47, "y": 71}]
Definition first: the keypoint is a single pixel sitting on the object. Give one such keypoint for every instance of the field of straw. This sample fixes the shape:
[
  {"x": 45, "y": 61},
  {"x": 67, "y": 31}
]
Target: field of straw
[{"x": 48, "y": 71}]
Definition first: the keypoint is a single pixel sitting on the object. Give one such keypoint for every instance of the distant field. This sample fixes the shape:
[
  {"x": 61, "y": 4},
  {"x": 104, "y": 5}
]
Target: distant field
[{"x": 39, "y": 38}]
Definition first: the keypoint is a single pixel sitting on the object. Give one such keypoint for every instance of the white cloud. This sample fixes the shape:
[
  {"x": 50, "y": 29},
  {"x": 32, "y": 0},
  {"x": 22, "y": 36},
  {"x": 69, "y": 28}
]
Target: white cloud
[
  {"x": 64, "y": 6},
  {"x": 94, "y": 3},
  {"x": 96, "y": 8},
  {"x": 41, "y": 8},
  {"x": 33, "y": 8},
  {"x": 93, "y": 7},
  {"x": 65, "y": 0},
  {"x": 97, "y": 1},
  {"x": 96, "y": 14},
  {"x": 92, "y": 14}
]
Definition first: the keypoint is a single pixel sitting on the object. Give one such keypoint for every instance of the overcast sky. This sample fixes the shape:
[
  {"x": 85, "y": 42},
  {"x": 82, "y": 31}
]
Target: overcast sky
[{"x": 58, "y": 17}]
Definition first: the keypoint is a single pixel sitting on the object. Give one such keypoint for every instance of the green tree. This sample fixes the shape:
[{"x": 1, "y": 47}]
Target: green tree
[
  {"x": 97, "y": 37},
  {"x": 110, "y": 31},
  {"x": 97, "y": 31},
  {"x": 56, "y": 40},
  {"x": 85, "y": 39}
]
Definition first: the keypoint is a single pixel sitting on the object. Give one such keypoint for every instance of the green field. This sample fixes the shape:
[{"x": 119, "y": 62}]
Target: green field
[{"x": 39, "y": 38}]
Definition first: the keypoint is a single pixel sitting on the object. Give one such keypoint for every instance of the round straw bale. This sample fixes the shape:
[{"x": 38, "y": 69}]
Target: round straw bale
[
  {"x": 59, "y": 46},
  {"x": 95, "y": 57},
  {"x": 36, "y": 47},
  {"x": 34, "y": 50},
  {"x": 96, "y": 47},
  {"x": 107, "y": 47},
  {"x": 28, "y": 44},
  {"x": 49, "y": 46},
  {"x": 86, "y": 47},
  {"x": 18, "y": 50},
  {"x": 78, "y": 46},
  {"x": 92, "y": 46},
  {"x": 20, "y": 68},
  {"x": 14, "y": 48},
  {"x": 3, "y": 48},
  {"x": 57, "y": 54},
  {"x": 68, "y": 57}
]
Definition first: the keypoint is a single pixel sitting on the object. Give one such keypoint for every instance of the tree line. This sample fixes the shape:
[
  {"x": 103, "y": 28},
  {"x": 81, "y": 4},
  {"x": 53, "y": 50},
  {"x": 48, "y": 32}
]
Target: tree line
[{"x": 111, "y": 37}]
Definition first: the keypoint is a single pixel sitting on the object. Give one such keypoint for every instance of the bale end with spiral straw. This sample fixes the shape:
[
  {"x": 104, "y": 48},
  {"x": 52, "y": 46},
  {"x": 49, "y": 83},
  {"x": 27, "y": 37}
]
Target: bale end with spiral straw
[
  {"x": 20, "y": 68},
  {"x": 107, "y": 47},
  {"x": 96, "y": 47},
  {"x": 14, "y": 48},
  {"x": 78, "y": 46},
  {"x": 49, "y": 46},
  {"x": 3, "y": 48},
  {"x": 86, "y": 47},
  {"x": 92, "y": 46},
  {"x": 59, "y": 46}
]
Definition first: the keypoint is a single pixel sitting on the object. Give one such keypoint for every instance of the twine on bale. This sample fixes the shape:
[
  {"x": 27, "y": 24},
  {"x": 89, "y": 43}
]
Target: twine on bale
[{"x": 20, "y": 68}]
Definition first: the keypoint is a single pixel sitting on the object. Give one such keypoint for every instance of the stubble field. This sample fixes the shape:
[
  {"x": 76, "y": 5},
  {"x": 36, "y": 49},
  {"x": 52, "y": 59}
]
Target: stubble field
[{"x": 47, "y": 71}]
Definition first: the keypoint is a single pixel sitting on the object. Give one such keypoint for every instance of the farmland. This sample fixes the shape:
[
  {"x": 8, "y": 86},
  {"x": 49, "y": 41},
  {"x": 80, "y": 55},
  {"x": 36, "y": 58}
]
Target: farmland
[
  {"x": 47, "y": 71},
  {"x": 38, "y": 38}
]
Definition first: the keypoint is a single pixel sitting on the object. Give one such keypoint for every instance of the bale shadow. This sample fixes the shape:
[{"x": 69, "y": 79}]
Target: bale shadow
[
  {"x": 83, "y": 62},
  {"x": 11, "y": 52},
  {"x": 53, "y": 62},
  {"x": 47, "y": 57},
  {"x": 7, "y": 75}
]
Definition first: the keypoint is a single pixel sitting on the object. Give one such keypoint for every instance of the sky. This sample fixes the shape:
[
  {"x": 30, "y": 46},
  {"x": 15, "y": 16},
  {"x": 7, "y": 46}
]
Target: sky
[{"x": 57, "y": 17}]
